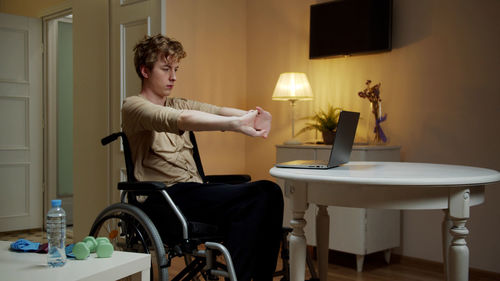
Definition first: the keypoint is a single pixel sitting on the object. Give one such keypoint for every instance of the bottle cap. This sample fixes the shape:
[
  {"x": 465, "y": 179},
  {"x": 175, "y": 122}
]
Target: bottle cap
[{"x": 56, "y": 203}]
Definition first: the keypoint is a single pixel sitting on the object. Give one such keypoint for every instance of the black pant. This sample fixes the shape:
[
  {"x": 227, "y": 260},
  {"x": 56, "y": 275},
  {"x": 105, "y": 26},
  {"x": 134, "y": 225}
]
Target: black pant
[{"x": 249, "y": 215}]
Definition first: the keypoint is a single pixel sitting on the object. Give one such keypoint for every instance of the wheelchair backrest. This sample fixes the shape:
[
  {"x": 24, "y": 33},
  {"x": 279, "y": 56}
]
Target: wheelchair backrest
[{"x": 129, "y": 165}]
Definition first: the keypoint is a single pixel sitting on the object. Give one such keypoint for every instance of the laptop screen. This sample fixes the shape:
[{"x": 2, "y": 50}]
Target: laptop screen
[{"x": 344, "y": 138}]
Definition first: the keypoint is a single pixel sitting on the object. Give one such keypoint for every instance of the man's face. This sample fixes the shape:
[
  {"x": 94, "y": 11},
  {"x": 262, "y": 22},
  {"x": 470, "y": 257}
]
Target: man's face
[{"x": 160, "y": 80}]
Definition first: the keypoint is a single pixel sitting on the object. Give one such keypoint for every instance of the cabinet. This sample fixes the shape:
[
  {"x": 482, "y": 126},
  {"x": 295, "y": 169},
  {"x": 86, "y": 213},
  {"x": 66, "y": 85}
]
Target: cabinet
[{"x": 352, "y": 230}]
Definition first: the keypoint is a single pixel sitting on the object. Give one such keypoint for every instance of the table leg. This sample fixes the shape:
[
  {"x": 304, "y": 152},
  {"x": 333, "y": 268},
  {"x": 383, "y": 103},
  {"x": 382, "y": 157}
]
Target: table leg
[
  {"x": 322, "y": 235},
  {"x": 459, "y": 252},
  {"x": 387, "y": 256},
  {"x": 360, "y": 260},
  {"x": 445, "y": 230},
  {"x": 297, "y": 239}
]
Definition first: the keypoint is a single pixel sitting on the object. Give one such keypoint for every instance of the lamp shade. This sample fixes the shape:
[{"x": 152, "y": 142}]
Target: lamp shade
[{"x": 292, "y": 86}]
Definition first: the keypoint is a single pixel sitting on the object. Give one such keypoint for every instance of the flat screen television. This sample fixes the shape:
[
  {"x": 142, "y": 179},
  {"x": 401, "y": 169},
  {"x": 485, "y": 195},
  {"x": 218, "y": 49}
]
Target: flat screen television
[{"x": 346, "y": 27}]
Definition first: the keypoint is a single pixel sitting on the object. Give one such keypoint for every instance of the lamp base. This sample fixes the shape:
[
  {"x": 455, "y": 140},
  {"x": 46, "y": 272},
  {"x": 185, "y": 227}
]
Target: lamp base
[{"x": 292, "y": 142}]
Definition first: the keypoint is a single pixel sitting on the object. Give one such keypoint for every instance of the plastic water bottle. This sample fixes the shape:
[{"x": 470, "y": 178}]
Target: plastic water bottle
[{"x": 56, "y": 235}]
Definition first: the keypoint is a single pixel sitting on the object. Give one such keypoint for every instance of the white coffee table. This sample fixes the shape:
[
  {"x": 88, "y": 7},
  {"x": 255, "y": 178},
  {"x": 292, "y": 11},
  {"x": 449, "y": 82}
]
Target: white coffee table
[
  {"x": 386, "y": 185},
  {"x": 32, "y": 266}
]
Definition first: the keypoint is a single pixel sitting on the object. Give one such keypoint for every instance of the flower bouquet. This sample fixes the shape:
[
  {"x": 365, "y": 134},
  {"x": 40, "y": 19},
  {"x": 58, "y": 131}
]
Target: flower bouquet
[{"x": 372, "y": 93}]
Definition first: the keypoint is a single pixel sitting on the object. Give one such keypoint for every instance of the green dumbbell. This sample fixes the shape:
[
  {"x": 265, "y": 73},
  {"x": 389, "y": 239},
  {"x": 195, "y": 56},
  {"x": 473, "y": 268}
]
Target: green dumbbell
[
  {"x": 104, "y": 247},
  {"x": 101, "y": 240},
  {"x": 82, "y": 249}
]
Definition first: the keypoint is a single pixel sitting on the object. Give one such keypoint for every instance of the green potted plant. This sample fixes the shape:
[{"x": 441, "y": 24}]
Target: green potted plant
[{"x": 324, "y": 121}]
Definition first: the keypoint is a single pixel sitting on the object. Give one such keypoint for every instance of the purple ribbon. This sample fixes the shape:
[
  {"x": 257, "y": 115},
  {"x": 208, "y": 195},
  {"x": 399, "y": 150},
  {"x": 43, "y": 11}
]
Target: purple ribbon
[{"x": 379, "y": 128}]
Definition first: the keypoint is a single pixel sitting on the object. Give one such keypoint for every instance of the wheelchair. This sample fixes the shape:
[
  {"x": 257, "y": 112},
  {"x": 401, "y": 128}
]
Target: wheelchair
[{"x": 130, "y": 229}]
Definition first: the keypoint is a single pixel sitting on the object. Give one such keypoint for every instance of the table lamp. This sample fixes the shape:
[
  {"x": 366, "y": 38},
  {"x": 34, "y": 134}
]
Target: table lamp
[{"x": 292, "y": 86}]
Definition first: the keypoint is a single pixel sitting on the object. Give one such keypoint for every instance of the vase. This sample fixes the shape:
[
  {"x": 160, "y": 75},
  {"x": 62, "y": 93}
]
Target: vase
[
  {"x": 328, "y": 136},
  {"x": 376, "y": 134}
]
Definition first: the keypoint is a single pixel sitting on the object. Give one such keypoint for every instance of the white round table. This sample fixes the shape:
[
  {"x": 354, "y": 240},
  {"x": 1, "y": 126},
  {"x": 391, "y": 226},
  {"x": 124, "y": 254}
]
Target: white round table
[{"x": 385, "y": 185}]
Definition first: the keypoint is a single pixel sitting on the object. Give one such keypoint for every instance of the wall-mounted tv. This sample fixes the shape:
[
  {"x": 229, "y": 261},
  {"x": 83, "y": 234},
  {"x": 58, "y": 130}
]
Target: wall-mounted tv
[{"x": 346, "y": 27}]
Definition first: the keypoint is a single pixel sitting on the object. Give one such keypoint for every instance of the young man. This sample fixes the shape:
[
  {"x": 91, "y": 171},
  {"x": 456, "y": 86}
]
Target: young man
[{"x": 248, "y": 215}]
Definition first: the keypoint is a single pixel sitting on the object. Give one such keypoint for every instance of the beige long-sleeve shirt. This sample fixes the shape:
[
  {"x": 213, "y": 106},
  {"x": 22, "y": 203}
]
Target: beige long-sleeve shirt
[{"x": 160, "y": 151}]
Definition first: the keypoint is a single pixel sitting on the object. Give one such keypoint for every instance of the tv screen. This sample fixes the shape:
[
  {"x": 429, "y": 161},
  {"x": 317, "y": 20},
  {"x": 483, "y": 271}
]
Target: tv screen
[{"x": 346, "y": 27}]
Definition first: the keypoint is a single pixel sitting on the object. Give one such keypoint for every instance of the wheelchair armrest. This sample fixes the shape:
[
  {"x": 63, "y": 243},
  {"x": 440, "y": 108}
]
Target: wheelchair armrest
[
  {"x": 141, "y": 186},
  {"x": 147, "y": 188},
  {"x": 229, "y": 179}
]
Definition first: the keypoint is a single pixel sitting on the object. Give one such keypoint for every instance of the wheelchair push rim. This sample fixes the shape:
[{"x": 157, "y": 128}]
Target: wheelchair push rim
[{"x": 129, "y": 229}]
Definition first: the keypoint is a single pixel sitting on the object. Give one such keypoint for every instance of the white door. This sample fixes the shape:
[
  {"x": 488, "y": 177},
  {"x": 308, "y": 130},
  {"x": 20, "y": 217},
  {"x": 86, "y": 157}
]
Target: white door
[
  {"x": 21, "y": 121},
  {"x": 130, "y": 21}
]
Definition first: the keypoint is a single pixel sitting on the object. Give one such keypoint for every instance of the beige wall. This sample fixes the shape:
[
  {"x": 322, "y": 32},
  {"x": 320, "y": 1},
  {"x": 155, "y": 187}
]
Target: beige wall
[
  {"x": 203, "y": 76},
  {"x": 439, "y": 85},
  {"x": 439, "y": 88},
  {"x": 214, "y": 36},
  {"x": 277, "y": 42},
  {"x": 28, "y": 8},
  {"x": 91, "y": 112}
]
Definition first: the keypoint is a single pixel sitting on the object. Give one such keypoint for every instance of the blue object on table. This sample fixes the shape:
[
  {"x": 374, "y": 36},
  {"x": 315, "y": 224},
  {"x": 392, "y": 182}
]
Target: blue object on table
[
  {"x": 69, "y": 251},
  {"x": 23, "y": 245}
]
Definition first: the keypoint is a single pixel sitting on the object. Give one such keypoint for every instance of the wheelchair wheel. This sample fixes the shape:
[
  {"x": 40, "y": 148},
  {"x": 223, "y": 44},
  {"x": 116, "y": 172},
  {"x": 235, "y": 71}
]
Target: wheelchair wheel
[{"x": 130, "y": 230}]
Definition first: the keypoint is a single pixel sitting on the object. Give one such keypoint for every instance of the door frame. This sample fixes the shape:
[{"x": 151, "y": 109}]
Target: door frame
[{"x": 50, "y": 109}]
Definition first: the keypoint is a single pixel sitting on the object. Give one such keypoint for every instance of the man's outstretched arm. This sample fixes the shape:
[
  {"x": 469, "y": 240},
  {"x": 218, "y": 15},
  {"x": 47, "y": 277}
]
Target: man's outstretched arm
[
  {"x": 192, "y": 120},
  {"x": 262, "y": 121}
]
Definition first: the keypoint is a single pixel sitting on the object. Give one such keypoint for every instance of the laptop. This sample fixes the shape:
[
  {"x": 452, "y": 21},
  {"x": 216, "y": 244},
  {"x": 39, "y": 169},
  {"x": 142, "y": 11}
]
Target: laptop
[{"x": 341, "y": 148}]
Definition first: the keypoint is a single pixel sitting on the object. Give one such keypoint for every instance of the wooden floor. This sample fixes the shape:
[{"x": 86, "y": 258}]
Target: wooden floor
[
  {"x": 34, "y": 235},
  {"x": 342, "y": 267}
]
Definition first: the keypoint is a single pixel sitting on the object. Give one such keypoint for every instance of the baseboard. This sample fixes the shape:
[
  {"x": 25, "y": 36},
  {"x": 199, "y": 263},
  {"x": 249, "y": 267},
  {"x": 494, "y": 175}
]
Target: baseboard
[
  {"x": 347, "y": 259},
  {"x": 474, "y": 273}
]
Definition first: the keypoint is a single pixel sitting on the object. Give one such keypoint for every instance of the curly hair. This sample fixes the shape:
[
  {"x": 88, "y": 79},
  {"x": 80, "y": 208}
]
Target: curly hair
[{"x": 146, "y": 52}]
